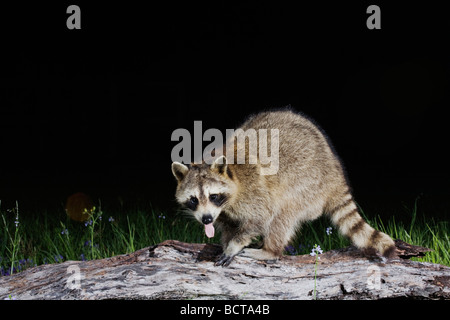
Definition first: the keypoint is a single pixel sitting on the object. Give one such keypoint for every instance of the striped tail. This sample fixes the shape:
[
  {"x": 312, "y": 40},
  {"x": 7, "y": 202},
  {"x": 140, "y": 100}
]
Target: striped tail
[{"x": 345, "y": 215}]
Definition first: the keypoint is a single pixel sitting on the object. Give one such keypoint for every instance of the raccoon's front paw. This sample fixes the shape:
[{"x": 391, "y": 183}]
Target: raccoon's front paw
[{"x": 224, "y": 260}]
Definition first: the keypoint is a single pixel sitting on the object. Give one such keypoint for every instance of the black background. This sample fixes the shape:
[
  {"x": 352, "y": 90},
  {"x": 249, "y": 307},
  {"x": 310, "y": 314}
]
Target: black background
[{"x": 93, "y": 110}]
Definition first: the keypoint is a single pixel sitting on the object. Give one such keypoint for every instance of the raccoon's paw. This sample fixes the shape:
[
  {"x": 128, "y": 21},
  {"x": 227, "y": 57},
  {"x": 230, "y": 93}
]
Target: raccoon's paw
[
  {"x": 258, "y": 254},
  {"x": 224, "y": 260}
]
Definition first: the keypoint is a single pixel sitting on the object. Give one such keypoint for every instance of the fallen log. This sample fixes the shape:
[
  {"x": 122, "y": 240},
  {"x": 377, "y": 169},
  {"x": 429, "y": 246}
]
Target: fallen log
[{"x": 177, "y": 270}]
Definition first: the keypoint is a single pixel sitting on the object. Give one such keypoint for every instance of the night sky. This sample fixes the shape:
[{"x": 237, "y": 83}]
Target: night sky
[{"x": 93, "y": 110}]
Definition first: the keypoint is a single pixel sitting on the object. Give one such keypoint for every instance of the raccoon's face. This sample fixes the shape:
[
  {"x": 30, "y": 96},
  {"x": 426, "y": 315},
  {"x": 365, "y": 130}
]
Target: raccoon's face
[{"x": 204, "y": 189}]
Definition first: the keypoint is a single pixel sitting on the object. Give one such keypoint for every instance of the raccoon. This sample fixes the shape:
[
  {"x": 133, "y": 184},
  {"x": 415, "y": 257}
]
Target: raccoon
[{"x": 243, "y": 204}]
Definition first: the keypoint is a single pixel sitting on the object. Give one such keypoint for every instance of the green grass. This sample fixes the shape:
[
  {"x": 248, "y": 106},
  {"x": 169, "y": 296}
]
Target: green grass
[
  {"x": 29, "y": 239},
  {"x": 423, "y": 231},
  {"x": 51, "y": 237}
]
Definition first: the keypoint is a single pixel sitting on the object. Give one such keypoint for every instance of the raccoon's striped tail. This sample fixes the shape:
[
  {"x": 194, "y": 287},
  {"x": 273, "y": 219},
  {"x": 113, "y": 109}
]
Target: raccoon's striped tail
[{"x": 345, "y": 215}]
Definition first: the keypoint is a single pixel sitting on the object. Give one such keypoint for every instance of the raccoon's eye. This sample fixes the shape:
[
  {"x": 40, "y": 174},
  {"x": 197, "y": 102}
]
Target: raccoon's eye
[
  {"x": 217, "y": 199},
  {"x": 193, "y": 201}
]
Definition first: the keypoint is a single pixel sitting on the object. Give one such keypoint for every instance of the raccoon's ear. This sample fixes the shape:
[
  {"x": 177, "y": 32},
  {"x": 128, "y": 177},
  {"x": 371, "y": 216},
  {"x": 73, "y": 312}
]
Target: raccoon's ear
[
  {"x": 179, "y": 170},
  {"x": 220, "y": 165}
]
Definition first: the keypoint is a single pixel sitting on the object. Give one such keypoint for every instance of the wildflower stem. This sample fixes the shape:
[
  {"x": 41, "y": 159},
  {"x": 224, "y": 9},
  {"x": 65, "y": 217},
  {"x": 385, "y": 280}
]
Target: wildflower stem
[
  {"x": 329, "y": 242},
  {"x": 315, "y": 253},
  {"x": 315, "y": 276}
]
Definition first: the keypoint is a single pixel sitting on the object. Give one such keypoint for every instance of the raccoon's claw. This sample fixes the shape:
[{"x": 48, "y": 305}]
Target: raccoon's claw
[{"x": 224, "y": 260}]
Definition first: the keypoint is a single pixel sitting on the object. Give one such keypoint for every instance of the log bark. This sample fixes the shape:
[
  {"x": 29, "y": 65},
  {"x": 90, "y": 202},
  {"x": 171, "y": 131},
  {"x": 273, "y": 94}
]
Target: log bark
[{"x": 176, "y": 270}]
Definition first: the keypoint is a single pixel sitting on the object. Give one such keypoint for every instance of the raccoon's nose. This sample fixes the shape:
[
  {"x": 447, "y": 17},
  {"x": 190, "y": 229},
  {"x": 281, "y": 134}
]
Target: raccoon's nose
[{"x": 207, "y": 219}]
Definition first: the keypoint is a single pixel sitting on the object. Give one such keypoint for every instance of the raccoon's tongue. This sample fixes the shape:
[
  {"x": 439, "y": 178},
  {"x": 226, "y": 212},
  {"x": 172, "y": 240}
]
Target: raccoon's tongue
[{"x": 209, "y": 230}]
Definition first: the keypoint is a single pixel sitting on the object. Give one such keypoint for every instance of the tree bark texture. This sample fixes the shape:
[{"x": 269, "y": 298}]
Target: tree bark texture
[{"x": 177, "y": 270}]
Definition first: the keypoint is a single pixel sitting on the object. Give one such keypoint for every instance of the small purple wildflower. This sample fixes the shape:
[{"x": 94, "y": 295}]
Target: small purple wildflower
[
  {"x": 65, "y": 231},
  {"x": 316, "y": 251},
  {"x": 329, "y": 231},
  {"x": 111, "y": 219}
]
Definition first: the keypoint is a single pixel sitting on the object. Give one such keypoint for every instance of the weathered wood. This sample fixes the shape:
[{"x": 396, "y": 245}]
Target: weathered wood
[{"x": 176, "y": 270}]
